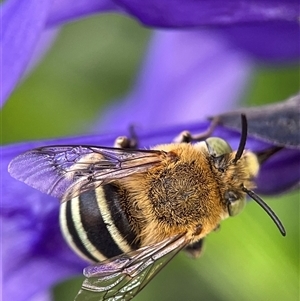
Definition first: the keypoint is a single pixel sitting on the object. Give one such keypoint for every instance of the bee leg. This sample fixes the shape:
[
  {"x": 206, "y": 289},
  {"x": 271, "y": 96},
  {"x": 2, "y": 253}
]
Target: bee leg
[
  {"x": 122, "y": 142},
  {"x": 195, "y": 249},
  {"x": 187, "y": 137},
  {"x": 127, "y": 142}
]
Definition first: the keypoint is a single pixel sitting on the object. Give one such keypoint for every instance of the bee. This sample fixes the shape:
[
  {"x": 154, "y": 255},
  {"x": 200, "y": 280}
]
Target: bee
[{"x": 130, "y": 211}]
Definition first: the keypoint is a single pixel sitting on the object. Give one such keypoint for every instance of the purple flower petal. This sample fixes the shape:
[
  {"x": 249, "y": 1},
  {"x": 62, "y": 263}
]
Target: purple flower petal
[
  {"x": 187, "y": 75},
  {"x": 19, "y": 39},
  {"x": 267, "y": 30},
  {"x": 280, "y": 173},
  {"x": 274, "y": 42},
  {"x": 22, "y": 23},
  {"x": 34, "y": 254},
  {"x": 67, "y": 10},
  {"x": 184, "y": 13}
]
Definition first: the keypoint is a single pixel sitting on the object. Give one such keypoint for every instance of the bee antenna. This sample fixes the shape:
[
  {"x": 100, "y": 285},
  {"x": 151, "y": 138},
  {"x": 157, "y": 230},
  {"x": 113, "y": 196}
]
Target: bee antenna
[
  {"x": 269, "y": 211},
  {"x": 243, "y": 139}
]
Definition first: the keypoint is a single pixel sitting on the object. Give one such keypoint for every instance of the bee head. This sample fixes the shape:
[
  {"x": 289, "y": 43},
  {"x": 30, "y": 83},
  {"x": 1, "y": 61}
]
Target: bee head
[{"x": 238, "y": 169}]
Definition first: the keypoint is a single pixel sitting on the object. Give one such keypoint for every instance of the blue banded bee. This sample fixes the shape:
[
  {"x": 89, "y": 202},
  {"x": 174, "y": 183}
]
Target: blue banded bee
[{"x": 133, "y": 210}]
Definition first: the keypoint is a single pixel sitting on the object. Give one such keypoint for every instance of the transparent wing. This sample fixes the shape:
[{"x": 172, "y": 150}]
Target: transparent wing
[
  {"x": 122, "y": 277},
  {"x": 66, "y": 171}
]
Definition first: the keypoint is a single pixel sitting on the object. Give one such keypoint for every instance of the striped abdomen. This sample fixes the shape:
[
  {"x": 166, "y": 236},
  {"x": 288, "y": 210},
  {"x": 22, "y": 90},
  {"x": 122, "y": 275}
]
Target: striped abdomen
[{"x": 95, "y": 225}]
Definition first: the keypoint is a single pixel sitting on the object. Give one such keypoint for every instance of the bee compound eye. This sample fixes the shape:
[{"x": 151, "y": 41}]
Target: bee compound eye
[
  {"x": 235, "y": 204},
  {"x": 217, "y": 147}
]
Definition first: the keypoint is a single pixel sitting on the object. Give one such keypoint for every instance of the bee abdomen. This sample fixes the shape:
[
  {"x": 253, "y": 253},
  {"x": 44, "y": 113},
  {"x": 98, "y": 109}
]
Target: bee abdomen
[{"x": 95, "y": 225}]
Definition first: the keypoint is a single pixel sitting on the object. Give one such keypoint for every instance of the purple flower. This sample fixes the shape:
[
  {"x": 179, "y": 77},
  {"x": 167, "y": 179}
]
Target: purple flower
[
  {"x": 194, "y": 13},
  {"x": 19, "y": 39},
  {"x": 258, "y": 27},
  {"x": 266, "y": 30}
]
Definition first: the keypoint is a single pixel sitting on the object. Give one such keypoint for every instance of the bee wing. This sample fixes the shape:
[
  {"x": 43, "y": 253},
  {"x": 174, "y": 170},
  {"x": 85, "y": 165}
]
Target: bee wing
[
  {"x": 66, "y": 171},
  {"x": 122, "y": 277}
]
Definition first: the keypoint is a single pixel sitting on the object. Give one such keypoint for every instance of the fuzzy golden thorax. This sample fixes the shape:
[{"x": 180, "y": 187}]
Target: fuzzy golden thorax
[{"x": 183, "y": 194}]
